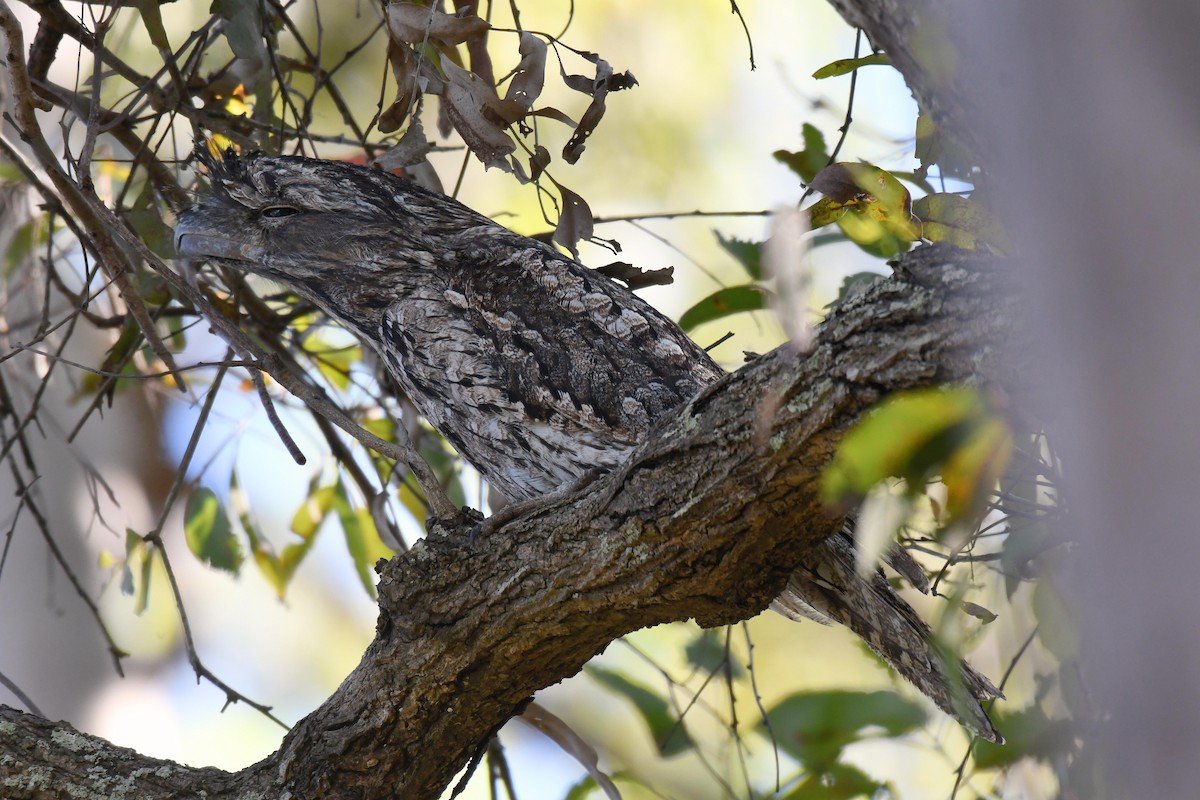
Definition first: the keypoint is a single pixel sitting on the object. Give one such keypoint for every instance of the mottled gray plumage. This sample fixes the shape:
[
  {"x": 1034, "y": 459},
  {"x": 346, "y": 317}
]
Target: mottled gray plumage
[{"x": 535, "y": 368}]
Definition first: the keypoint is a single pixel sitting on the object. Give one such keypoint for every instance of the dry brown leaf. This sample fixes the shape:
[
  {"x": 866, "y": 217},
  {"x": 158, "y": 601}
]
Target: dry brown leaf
[
  {"x": 477, "y": 51},
  {"x": 530, "y": 76},
  {"x": 405, "y": 70},
  {"x": 466, "y": 99},
  {"x": 538, "y": 161},
  {"x": 571, "y": 743},
  {"x": 636, "y": 277},
  {"x": 575, "y": 222},
  {"x": 604, "y": 82},
  {"x": 415, "y": 24},
  {"x": 412, "y": 149}
]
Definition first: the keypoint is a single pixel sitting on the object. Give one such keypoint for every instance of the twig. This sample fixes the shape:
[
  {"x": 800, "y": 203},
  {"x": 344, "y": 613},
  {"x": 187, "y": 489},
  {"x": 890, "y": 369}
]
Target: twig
[
  {"x": 1012, "y": 664},
  {"x": 20, "y": 695},
  {"x": 273, "y": 416},
  {"x": 154, "y": 537},
  {"x": 845, "y": 129},
  {"x": 749, "y": 40}
]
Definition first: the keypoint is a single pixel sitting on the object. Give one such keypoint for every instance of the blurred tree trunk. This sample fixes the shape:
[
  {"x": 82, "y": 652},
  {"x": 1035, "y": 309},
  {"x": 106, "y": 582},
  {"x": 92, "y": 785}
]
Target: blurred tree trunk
[{"x": 1087, "y": 116}]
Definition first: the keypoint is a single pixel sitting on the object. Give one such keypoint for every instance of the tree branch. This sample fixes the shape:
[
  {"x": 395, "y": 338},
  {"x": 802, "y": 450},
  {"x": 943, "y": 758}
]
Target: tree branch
[{"x": 706, "y": 521}]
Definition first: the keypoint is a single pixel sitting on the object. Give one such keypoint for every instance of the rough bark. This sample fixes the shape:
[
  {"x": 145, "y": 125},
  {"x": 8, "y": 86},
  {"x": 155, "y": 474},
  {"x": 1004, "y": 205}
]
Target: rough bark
[{"x": 706, "y": 521}]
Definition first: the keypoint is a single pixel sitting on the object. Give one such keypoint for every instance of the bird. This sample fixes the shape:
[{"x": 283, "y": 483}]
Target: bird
[{"x": 539, "y": 371}]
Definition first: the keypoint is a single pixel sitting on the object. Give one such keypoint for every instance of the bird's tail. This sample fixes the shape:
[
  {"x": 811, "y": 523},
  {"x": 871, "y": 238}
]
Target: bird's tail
[{"x": 828, "y": 588}]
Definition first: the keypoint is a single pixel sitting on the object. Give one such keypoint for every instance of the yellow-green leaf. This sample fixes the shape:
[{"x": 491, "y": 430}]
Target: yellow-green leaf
[
  {"x": 333, "y": 360},
  {"x": 869, "y": 204},
  {"x": 362, "y": 539},
  {"x": 844, "y": 66},
  {"x": 916, "y": 435},
  {"x": 809, "y": 161},
  {"x": 312, "y": 512},
  {"x": 278, "y": 570},
  {"x": 928, "y": 145},
  {"x": 208, "y": 532},
  {"x": 722, "y": 303},
  {"x": 961, "y": 222},
  {"x": 971, "y": 471}
]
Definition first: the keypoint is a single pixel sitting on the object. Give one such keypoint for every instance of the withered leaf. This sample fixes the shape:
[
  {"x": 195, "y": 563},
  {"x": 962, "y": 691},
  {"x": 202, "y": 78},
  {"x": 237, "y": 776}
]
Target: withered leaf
[
  {"x": 530, "y": 76},
  {"x": 414, "y": 23},
  {"x": 466, "y": 99},
  {"x": 405, "y": 68},
  {"x": 837, "y": 183},
  {"x": 575, "y": 221},
  {"x": 636, "y": 277},
  {"x": 550, "y": 112},
  {"x": 538, "y": 161},
  {"x": 580, "y": 83},
  {"x": 412, "y": 148},
  {"x": 604, "y": 82}
]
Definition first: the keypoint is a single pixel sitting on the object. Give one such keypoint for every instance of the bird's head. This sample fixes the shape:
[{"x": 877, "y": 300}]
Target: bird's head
[{"x": 333, "y": 231}]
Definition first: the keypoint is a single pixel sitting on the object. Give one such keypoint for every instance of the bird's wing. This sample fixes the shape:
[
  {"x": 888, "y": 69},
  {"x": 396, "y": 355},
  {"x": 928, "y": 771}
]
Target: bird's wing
[
  {"x": 536, "y": 369},
  {"x": 590, "y": 342}
]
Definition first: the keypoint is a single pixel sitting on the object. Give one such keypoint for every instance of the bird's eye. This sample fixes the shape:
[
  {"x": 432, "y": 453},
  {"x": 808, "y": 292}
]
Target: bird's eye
[{"x": 274, "y": 212}]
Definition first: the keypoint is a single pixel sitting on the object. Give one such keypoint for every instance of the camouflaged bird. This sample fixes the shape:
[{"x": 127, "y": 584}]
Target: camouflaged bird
[{"x": 538, "y": 370}]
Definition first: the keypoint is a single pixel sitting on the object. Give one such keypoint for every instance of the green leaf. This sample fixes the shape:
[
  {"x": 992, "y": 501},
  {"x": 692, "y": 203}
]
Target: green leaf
[
  {"x": 748, "y": 254},
  {"x": 333, "y": 361},
  {"x": 851, "y": 282},
  {"x": 152, "y": 19},
  {"x": 278, "y": 570},
  {"x": 208, "y": 532},
  {"x": 839, "y": 782},
  {"x": 313, "y": 510},
  {"x": 136, "y": 555},
  {"x": 362, "y": 539},
  {"x": 809, "y": 161},
  {"x": 979, "y": 612},
  {"x": 1028, "y": 733},
  {"x": 151, "y": 229},
  {"x": 26, "y": 237},
  {"x": 914, "y": 435},
  {"x": 962, "y": 222},
  {"x": 869, "y": 204},
  {"x": 243, "y": 29},
  {"x": 1027, "y": 540},
  {"x": 707, "y": 652},
  {"x": 844, "y": 66},
  {"x": 668, "y": 733},
  {"x": 722, "y": 303},
  {"x": 116, "y": 358},
  {"x": 146, "y": 565},
  {"x": 1058, "y": 627},
  {"x": 815, "y": 727}
]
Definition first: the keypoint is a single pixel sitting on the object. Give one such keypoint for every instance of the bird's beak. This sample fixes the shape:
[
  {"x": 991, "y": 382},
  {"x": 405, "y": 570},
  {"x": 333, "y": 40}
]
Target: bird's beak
[{"x": 190, "y": 244}]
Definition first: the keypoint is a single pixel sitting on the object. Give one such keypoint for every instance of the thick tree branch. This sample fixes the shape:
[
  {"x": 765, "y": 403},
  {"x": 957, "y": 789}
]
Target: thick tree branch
[{"x": 705, "y": 522}]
